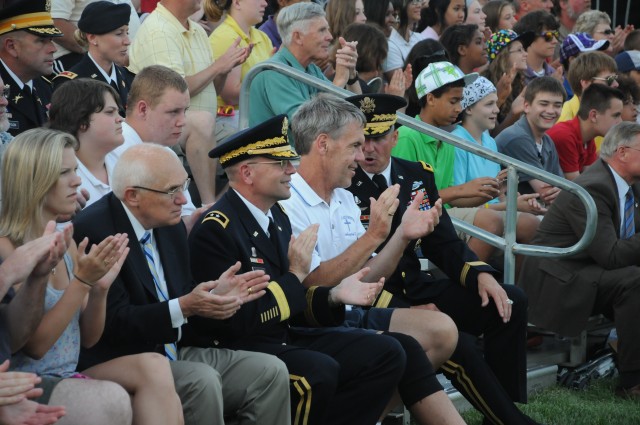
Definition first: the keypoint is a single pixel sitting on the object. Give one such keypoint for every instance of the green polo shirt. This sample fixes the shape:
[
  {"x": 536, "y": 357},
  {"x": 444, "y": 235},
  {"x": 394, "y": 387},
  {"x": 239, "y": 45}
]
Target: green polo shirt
[
  {"x": 415, "y": 146},
  {"x": 272, "y": 93}
]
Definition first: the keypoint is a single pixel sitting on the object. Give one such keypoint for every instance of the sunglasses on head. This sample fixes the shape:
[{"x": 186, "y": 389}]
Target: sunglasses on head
[
  {"x": 609, "y": 80},
  {"x": 549, "y": 35}
]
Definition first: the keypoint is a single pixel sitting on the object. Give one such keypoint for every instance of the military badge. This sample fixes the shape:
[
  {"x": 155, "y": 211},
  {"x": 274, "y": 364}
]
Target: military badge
[
  {"x": 367, "y": 105},
  {"x": 424, "y": 205}
]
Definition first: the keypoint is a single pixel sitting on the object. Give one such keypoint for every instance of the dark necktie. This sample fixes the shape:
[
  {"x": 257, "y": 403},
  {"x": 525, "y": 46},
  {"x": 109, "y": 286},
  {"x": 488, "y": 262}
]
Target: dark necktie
[
  {"x": 273, "y": 233},
  {"x": 628, "y": 227},
  {"x": 380, "y": 181},
  {"x": 32, "y": 97}
]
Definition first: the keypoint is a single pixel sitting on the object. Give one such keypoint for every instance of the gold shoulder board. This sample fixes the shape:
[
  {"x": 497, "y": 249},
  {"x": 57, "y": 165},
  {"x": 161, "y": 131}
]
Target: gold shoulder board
[
  {"x": 217, "y": 216},
  {"x": 426, "y": 166},
  {"x": 67, "y": 74}
]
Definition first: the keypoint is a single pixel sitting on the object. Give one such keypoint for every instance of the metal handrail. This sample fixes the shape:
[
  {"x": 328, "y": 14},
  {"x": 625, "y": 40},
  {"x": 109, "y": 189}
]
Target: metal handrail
[{"x": 508, "y": 243}]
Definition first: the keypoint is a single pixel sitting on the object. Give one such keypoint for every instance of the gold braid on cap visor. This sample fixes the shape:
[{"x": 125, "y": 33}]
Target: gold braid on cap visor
[
  {"x": 380, "y": 127},
  {"x": 260, "y": 148}
]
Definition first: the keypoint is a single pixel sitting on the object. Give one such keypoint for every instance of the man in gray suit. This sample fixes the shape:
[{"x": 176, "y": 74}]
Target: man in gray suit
[{"x": 604, "y": 278}]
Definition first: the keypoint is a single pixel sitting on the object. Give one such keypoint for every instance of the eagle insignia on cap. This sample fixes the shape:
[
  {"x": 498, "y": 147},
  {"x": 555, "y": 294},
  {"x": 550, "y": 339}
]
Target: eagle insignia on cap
[
  {"x": 47, "y": 5},
  {"x": 285, "y": 126},
  {"x": 367, "y": 105}
]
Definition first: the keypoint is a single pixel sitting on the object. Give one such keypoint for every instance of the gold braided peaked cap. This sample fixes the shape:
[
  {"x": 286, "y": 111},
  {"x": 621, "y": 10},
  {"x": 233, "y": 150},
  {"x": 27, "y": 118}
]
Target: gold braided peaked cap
[
  {"x": 32, "y": 16},
  {"x": 268, "y": 139},
  {"x": 380, "y": 110}
]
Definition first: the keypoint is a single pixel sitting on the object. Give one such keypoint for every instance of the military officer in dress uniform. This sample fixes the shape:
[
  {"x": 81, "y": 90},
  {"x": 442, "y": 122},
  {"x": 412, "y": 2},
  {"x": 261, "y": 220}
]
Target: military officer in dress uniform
[
  {"x": 454, "y": 287},
  {"x": 337, "y": 375},
  {"x": 103, "y": 29},
  {"x": 26, "y": 57}
]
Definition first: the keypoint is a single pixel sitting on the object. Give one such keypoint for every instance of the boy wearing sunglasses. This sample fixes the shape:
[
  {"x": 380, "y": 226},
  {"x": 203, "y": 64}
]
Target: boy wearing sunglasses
[
  {"x": 544, "y": 25},
  {"x": 600, "y": 109}
]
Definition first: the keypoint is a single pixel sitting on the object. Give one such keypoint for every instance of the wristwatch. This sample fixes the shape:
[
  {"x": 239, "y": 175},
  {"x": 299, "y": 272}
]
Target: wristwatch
[{"x": 352, "y": 80}]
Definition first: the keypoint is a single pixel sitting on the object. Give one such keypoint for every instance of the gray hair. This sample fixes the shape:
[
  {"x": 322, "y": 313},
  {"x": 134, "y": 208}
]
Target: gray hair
[
  {"x": 589, "y": 20},
  {"x": 295, "y": 18},
  {"x": 326, "y": 114},
  {"x": 620, "y": 135},
  {"x": 138, "y": 166}
]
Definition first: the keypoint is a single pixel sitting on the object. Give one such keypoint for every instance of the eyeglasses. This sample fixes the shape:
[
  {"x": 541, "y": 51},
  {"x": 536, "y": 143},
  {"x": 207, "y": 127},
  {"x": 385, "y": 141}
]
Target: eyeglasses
[
  {"x": 416, "y": 2},
  {"x": 629, "y": 147},
  {"x": 606, "y": 32},
  {"x": 283, "y": 163},
  {"x": 5, "y": 91},
  {"x": 609, "y": 80},
  {"x": 549, "y": 35},
  {"x": 172, "y": 193}
]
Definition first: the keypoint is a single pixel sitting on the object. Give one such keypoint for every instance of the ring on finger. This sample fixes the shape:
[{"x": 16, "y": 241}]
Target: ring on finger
[
  {"x": 509, "y": 301},
  {"x": 250, "y": 290}
]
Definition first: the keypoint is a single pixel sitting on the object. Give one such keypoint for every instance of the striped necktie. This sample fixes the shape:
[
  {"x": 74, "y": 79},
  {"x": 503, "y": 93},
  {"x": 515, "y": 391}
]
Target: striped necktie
[
  {"x": 628, "y": 227},
  {"x": 170, "y": 349}
]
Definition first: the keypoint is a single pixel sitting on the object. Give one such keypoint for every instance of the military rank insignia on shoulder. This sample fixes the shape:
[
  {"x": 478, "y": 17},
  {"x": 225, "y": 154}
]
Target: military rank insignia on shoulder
[
  {"x": 66, "y": 74},
  {"x": 218, "y": 217},
  {"x": 282, "y": 208},
  {"x": 426, "y": 166}
]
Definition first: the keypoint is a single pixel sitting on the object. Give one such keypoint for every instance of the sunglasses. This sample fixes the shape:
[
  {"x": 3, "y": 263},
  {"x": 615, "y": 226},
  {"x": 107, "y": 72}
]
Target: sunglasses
[
  {"x": 607, "y": 32},
  {"x": 549, "y": 35},
  {"x": 609, "y": 80}
]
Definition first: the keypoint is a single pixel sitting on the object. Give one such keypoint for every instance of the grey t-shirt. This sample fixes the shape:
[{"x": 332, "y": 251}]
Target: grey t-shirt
[{"x": 518, "y": 142}]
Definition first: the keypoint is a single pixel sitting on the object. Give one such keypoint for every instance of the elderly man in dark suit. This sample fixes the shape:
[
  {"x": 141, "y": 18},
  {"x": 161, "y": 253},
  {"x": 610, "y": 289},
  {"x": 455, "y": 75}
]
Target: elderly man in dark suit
[
  {"x": 26, "y": 56},
  {"x": 153, "y": 305},
  {"x": 605, "y": 278}
]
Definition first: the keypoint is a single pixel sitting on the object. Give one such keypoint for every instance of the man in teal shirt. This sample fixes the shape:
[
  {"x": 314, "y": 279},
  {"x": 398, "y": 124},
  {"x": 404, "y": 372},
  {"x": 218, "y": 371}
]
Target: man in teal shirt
[{"x": 305, "y": 39}]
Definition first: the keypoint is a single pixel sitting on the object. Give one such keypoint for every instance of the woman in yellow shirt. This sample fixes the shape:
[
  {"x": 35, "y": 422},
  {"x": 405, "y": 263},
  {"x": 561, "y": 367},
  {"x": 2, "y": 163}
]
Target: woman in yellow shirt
[{"x": 239, "y": 21}]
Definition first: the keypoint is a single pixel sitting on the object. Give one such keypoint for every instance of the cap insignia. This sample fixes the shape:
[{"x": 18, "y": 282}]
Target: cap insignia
[{"x": 367, "y": 105}]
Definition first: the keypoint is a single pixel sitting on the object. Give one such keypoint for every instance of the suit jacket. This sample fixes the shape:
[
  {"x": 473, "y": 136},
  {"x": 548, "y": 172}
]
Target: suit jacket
[
  {"x": 228, "y": 233},
  {"x": 28, "y": 110},
  {"x": 136, "y": 321},
  {"x": 562, "y": 291},
  {"x": 87, "y": 69},
  {"x": 443, "y": 247}
]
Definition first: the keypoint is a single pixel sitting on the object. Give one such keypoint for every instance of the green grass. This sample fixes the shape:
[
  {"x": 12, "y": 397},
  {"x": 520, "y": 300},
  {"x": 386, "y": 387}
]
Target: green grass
[{"x": 597, "y": 405}]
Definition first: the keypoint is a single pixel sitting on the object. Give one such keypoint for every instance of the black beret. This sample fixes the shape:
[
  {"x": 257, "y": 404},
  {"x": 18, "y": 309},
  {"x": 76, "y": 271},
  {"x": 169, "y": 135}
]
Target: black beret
[
  {"x": 381, "y": 111},
  {"x": 101, "y": 17},
  {"x": 268, "y": 139},
  {"x": 32, "y": 16}
]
